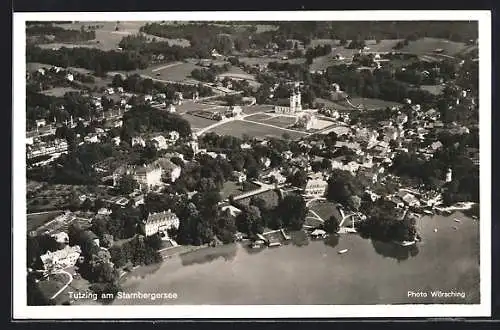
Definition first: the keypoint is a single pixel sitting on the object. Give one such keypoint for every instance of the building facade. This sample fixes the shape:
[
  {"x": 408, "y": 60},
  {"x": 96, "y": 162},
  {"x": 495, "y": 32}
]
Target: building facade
[
  {"x": 61, "y": 259},
  {"x": 160, "y": 222}
]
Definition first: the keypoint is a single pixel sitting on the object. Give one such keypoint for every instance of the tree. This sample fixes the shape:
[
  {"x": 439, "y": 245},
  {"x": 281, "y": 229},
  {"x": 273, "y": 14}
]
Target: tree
[
  {"x": 127, "y": 184},
  {"x": 332, "y": 225},
  {"x": 292, "y": 211},
  {"x": 250, "y": 221},
  {"x": 354, "y": 202}
]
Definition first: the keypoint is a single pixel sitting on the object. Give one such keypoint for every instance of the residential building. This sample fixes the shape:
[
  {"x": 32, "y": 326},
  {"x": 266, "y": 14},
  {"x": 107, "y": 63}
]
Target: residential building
[
  {"x": 160, "y": 222},
  {"x": 91, "y": 138},
  {"x": 116, "y": 140},
  {"x": 233, "y": 211},
  {"x": 173, "y": 136},
  {"x": 171, "y": 108},
  {"x": 159, "y": 142},
  {"x": 61, "y": 259},
  {"x": 137, "y": 140},
  {"x": 315, "y": 187},
  {"x": 408, "y": 198},
  {"x": 61, "y": 237},
  {"x": 148, "y": 176},
  {"x": 239, "y": 176},
  {"x": 169, "y": 169},
  {"x": 40, "y": 123}
]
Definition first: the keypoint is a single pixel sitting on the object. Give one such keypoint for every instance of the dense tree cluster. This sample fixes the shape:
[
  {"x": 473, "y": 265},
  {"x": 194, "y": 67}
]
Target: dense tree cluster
[
  {"x": 210, "y": 74},
  {"x": 142, "y": 119},
  {"x": 138, "y": 251},
  {"x": 136, "y": 84},
  {"x": 58, "y": 34},
  {"x": 93, "y": 59},
  {"x": 384, "y": 224},
  {"x": 290, "y": 213},
  {"x": 318, "y": 51}
]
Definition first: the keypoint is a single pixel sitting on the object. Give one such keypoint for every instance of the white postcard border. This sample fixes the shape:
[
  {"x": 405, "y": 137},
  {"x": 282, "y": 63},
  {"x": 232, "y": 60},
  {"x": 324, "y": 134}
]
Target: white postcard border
[{"x": 22, "y": 311}]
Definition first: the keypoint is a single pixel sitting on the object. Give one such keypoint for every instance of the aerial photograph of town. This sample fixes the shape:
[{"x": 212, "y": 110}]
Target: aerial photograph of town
[{"x": 252, "y": 162}]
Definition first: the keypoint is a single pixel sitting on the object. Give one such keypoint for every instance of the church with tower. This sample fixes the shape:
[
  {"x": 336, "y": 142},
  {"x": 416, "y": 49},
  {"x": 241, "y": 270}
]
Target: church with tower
[{"x": 295, "y": 102}]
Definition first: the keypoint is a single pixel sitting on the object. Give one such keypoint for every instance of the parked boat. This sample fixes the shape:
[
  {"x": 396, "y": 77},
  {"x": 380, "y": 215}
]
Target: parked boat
[
  {"x": 428, "y": 212},
  {"x": 456, "y": 220},
  {"x": 343, "y": 251}
]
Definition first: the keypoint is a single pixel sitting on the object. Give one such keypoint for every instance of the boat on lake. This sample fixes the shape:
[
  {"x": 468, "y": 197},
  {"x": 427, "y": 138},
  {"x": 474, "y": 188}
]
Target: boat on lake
[
  {"x": 428, "y": 212},
  {"x": 343, "y": 251}
]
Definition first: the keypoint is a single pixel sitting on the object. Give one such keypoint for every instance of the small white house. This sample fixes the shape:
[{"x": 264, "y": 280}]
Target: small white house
[{"x": 69, "y": 77}]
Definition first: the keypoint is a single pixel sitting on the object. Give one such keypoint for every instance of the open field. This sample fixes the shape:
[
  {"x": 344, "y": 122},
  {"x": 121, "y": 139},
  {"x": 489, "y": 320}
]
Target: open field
[
  {"x": 259, "y": 117},
  {"x": 428, "y": 45},
  {"x": 198, "y": 122},
  {"x": 187, "y": 106},
  {"x": 371, "y": 104},
  {"x": 33, "y": 66},
  {"x": 239, "y": 128},
  {"x": 434, "y": 89},
  {"x": 59, "y": 91},
  {"x": 36, "y": 220},
  {"x": 256, "y": 108},
  {"x": 178, "y": 71},
  {"x": 280, "y": 121},
  {"x": 267, "y": 60}
]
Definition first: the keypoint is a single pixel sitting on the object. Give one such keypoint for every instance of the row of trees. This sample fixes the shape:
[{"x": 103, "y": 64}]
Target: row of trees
[
  {"x": 59, "y": 34},
  {"x": 210, "y": 74},
  {"x": 136, "y": 84},
  {"x": 144, "y": 118},
  {"x": 93, "y": 59}
]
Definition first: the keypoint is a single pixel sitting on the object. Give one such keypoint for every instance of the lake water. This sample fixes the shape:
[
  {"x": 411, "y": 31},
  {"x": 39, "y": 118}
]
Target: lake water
[{"x": 313, "y": 272}]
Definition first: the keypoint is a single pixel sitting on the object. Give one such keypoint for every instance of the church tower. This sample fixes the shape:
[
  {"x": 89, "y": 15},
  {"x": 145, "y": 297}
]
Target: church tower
[{"x": 449, "y": 175}]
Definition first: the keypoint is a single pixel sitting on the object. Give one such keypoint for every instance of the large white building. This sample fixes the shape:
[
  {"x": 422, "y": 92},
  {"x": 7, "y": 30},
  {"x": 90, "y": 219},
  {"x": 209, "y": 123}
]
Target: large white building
[
  {"x": 148, "y": 176},
  {"x": 61, "y": 259},
  {"x": 315, "y": 187},
  {"x": 160, "y": 222}
]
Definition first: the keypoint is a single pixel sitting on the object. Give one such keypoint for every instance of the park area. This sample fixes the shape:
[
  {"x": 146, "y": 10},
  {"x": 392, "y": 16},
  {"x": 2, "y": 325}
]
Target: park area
[
  {"x": 271, "y": 197},
  {"x": 239, "y": 128},
  {"x": 323, "y": 209},
  {"x": 276, "y": 120},
  {"x": 233, "y": 188}
]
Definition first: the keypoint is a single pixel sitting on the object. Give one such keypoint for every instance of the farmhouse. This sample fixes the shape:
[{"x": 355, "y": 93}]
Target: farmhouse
[
  {"x": 159, "y": 142},
  {"x": 137, "y": 140},
  {"x": 169, "y": 169},
  {"x": 160, "y": 223}
]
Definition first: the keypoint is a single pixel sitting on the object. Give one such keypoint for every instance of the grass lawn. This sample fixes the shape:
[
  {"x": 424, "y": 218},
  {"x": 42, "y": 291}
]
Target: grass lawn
[
  {"x": 324, "y": 209},
  {"x": 198, "y": 122},
  {"x": 259, "y": 117},
  {"x": 271, "y": 197},
  {"x": 428, "y": 45},
  {"x": 256, "y": 108},
  {"x": 230, "y": 188},
  {"x": 312, "y": 220},
  {"x": 52, "y": 284},
  {"x": 174, "y": 71},
  {"x": 267, "y": 60},
  {"x": 239, "y": 128},
  {"x": 58, "y": 91},
  {"x": 434, "y": 89},
  {"x": 36, "y": 220},
  {"x": 281, "y": 121},
  {"x": 372, "y": 104}
]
